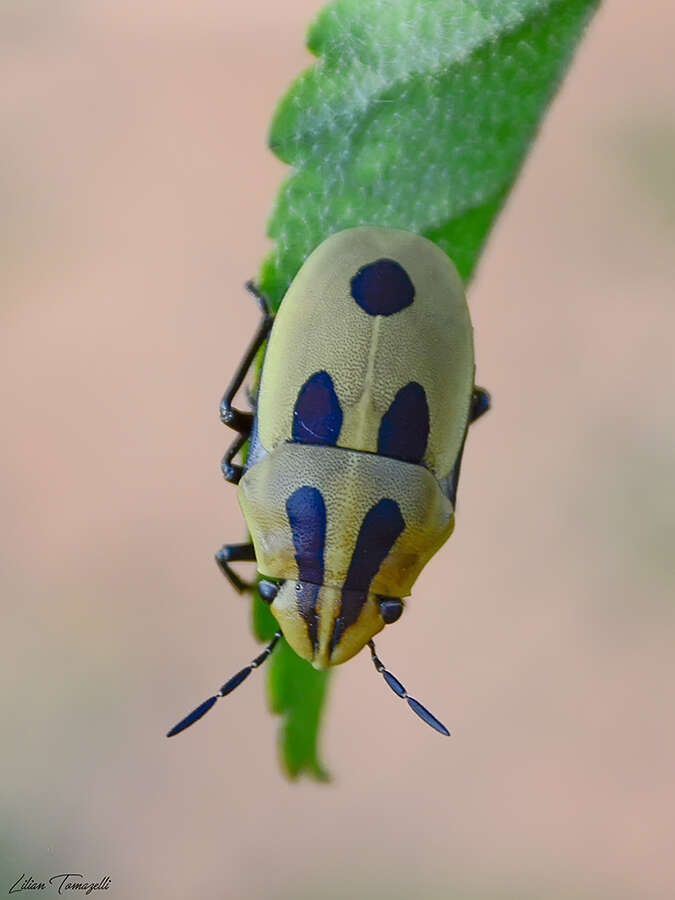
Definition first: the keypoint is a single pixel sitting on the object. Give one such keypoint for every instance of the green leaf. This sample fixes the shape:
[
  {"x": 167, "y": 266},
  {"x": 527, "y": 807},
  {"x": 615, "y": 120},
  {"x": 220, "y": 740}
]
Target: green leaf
[
  {"x": 417, "y": 115},
  {"x": 297, "y": 692}
]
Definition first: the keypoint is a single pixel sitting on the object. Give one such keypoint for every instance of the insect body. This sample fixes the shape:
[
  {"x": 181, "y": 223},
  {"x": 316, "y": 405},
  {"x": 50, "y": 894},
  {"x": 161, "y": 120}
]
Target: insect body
[{"x": 365, "y": 397}]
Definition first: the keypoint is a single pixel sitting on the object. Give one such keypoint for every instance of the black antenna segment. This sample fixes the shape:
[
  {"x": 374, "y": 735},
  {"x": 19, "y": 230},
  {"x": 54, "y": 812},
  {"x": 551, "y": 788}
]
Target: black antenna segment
[
  {"x": 226, "y": 689},
  {"x": 400, "y": 691}
]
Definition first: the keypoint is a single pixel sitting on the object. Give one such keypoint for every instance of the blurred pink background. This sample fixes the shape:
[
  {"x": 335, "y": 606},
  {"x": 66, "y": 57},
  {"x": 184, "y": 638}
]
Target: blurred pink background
[{"x": 135, "y": 186}]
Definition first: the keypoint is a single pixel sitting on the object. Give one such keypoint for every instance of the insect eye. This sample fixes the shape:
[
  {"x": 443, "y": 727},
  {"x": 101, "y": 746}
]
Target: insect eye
[
  {"x": 390, "y": 609},
  {"x": 268, "y": 590}
]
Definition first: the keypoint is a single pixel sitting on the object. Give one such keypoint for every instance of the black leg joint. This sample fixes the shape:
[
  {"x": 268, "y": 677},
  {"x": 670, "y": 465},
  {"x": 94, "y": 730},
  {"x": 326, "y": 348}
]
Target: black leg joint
[
  {"x": 480, "y": 403},
  {"x": 229, "y": 415},
  {"x": 236, "y": 419},
  {"x": 231, "y": 471},
  {"x": 261, "y": 298},
  {"x": 236, "y": 553}
]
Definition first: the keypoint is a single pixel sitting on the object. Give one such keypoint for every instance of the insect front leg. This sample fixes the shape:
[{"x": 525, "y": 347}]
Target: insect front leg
[
  {"x": 238, "y": 420},
  {"x": 236, "y": 553},
  {"x": 231, "y": 471},
  {"x": 229, "y": 415},
  {"x": 480, "y": 404}
]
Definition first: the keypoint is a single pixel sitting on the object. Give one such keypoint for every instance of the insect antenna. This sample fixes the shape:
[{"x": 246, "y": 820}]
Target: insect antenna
[
  {"x": 400, "y": 691},
  {"x": 226, "y": 689}
]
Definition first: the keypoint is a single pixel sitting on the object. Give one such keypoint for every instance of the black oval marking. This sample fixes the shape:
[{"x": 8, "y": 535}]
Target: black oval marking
[
  {"x": 404, "y": 429},
  {"x": 306, "y": 512},
  {"x": 317, "y": 417},
  {"x": 306, "y": 596},
  {"x": 380, "y": 529},
  {"x": 381, "y": 526},
  {"x": 382, "y": 288}
]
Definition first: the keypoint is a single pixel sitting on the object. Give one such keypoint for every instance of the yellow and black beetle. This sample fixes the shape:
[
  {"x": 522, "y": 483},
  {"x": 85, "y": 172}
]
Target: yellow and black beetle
[{"x": 364, "y": 401}]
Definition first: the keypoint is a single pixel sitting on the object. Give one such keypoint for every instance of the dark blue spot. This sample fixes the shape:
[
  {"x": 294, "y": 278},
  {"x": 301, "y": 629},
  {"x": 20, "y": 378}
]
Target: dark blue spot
[
  {"x": 317, "y": 417},
  {"x": 381, "y": 527},
  {"x": 404, "y": 430},
  {"x": 307, "y": 516},
  {"x": 306, "y": 596},
  {"x": 382, "y": 288},
  {"x": 351, "y": 604}
]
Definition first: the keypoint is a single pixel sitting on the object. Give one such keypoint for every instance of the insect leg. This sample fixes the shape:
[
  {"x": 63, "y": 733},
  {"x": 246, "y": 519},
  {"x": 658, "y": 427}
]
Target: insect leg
[
  {"x": 226, "y": 689},
  {"x": 235, "y": 418},
  {"x": 400, "y": 691},
  {"x": 231, "y": 471},
  {"x": 236, "y": 553},
  {"x": 480, "y": 404}
]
